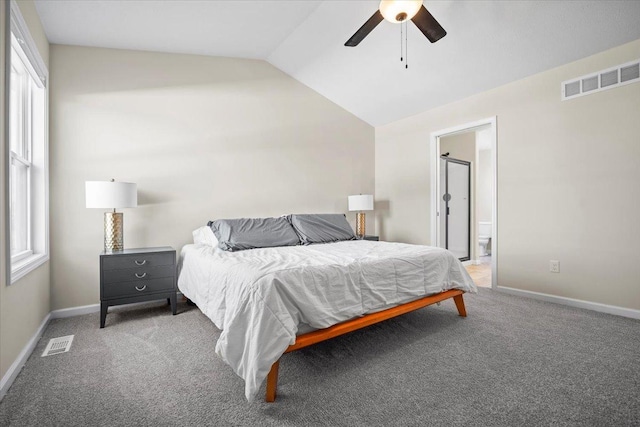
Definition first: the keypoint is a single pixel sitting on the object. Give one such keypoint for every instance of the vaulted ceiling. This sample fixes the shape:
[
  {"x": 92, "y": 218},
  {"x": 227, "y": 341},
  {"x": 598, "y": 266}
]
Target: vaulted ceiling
[{"x": 489, "y": 43}]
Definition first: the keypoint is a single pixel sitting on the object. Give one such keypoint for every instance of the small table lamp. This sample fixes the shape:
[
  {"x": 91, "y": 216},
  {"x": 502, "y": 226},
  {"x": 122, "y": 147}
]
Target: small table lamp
[
  {"x": 112, "y": 195},
  {"x": 360, "y": 203}
]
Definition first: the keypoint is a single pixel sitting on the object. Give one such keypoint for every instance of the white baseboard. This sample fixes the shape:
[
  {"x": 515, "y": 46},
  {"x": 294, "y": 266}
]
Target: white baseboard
[
  {"x": 75, "y": 311},
  {"x": 92, "y": 308},
  {"x": 22, "y": 358},
  {"x": 595, "y": 306}
]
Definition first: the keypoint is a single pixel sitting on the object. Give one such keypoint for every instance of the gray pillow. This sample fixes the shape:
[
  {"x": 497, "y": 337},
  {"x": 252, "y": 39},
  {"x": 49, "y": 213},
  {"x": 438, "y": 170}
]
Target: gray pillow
[
  {"x": 249, "y": 233},
  {"x": 321, "y": 228}
]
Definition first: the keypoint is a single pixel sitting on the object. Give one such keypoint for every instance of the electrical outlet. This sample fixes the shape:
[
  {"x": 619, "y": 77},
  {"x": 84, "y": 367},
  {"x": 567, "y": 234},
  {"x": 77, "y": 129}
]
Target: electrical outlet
[{"x": 554, "y": 266}]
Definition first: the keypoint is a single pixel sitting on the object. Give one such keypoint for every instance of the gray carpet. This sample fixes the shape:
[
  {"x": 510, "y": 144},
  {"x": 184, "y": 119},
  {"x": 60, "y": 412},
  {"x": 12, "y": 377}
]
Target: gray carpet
[{"x": 512, "y": 362}]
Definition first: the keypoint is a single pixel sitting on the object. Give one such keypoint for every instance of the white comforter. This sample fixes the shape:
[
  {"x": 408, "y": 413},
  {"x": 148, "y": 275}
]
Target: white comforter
[{"x": 261, "y": 298}]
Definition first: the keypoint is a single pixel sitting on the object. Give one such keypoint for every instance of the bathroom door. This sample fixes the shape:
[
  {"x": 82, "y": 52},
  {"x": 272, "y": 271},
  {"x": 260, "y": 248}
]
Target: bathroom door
[{"x": 455, "y": 207}]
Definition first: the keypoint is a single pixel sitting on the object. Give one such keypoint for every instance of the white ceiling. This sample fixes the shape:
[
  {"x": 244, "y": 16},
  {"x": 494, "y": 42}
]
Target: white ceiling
[
  {"x": 489, "y": 43},
  {"x": 242, "y": 29}
]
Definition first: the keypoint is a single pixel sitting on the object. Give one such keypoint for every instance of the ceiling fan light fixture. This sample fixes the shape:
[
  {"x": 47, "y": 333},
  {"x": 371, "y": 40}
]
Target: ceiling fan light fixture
[{"x": 397, "y": 11}]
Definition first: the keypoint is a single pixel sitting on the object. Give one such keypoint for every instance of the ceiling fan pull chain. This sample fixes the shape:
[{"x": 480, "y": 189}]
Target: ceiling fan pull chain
[
  {"x": 406, "y": 46},
  {"x": 401, "y": 43}
]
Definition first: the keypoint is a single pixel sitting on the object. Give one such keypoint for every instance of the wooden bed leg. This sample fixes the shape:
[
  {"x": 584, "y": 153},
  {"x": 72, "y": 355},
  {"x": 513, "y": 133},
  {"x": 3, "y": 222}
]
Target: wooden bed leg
[
  {"x": 272, "y": 382},
  {"x": 459, "y": 305}
]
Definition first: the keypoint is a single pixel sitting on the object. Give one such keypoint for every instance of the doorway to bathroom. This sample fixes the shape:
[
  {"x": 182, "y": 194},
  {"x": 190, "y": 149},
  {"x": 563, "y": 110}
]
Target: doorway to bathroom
[{"x": 464, "y": 196}]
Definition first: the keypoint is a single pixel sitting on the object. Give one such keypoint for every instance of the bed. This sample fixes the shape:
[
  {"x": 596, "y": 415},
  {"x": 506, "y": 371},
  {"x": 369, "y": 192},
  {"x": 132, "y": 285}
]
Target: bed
[{"x": 269, "y": 301}]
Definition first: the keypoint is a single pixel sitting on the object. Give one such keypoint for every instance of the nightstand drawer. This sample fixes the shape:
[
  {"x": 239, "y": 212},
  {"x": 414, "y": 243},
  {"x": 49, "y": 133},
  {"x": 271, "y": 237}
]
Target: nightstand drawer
[
  {"x": 138, "y": 260},
  {"x": 140, "y": 287},
  {"x": 138, "y": 274}
]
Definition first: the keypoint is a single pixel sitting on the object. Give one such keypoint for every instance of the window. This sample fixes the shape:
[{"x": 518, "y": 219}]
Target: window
[
  {"x": 22, "y": 88},
  {"x": 28, "y": 182}
]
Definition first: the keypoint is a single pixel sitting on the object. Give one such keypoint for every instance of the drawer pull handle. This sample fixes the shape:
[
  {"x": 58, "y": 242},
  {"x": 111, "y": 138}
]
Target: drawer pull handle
[
  {"x": 141, "y": 289},
  {"x": 140, "y": 276},
  {"x": 143, "y": 262}
]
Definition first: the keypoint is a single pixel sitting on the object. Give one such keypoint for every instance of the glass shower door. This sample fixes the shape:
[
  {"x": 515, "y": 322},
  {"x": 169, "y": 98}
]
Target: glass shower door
[{"x": 455, "y": 207}]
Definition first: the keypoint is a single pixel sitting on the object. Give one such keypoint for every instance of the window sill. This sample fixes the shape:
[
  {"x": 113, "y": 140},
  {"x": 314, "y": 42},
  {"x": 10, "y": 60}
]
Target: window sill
[{"x": 25, "y": 266}]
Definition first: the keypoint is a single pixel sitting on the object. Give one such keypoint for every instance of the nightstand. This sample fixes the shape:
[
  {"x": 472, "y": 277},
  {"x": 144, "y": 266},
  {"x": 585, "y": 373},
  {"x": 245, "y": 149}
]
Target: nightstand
[
  {"x": 374, "y": 238},
  {"x": 137, "y": 275}
]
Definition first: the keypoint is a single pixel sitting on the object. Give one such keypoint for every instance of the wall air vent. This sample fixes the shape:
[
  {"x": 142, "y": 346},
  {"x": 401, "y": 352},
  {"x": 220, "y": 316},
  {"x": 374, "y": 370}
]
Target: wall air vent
[
  {"x": 572, "y": 89},
  {"x": 601, "y": 80},
  {"x": 629, "y": 73},
  {"x": 609, "y": 78},
  {"x": 589, "y": 84}
]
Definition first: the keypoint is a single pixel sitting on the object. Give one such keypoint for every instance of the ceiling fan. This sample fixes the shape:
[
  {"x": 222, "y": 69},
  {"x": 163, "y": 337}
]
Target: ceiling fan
[{"x": 398, "y": 11}]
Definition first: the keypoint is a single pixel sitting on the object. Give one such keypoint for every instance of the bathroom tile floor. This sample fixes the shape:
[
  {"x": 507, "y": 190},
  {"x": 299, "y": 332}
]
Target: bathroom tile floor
[{"x": 481, "y": 274}]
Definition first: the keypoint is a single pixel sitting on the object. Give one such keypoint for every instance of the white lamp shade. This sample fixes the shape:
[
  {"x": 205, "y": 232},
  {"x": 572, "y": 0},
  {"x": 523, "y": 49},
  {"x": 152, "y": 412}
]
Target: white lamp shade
[
  {"x": 361, "y": 202},
  {"x": 390, "y": 9},
  {"x": 111, "y": 195}
]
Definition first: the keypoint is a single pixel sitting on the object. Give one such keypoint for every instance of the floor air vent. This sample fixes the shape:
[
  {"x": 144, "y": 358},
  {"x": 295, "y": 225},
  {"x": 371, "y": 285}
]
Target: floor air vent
[
  {"x": 58, "y": 345},
  {"x": 601, "y": 80}
]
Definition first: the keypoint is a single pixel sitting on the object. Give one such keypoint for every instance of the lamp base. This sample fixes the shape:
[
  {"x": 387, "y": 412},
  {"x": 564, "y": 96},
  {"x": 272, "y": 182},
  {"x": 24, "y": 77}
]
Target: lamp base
[
  {"x": 113, "y": 227},
  {"x": 360, "y": 231}
]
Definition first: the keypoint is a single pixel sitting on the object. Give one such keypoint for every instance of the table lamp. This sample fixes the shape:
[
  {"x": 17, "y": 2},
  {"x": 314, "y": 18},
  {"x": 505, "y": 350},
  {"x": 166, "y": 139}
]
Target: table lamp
[
  {"x": 360, "y": 203},
  {"x": 112, "y": 195}
]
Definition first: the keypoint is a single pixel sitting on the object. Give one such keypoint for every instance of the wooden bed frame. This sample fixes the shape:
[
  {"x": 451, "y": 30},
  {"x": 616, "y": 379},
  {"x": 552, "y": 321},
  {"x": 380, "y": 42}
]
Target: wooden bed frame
[{"x": 315, "y": 337}]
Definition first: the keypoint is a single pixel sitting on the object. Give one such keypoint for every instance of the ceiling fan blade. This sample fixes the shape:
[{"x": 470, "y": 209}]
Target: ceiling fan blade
[
  {"x": 364, "y": 31},
  {"x": 428, "y": 25}
]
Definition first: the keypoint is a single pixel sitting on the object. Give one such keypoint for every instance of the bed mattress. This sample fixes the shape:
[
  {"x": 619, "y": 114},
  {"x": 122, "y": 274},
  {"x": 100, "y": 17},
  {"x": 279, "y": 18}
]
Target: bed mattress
[{"x": 262, "y": 298}]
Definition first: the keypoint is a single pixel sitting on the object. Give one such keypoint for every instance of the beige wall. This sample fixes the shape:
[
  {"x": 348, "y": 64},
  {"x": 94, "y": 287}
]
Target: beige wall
[
  {"x": 24, "y": 304},
  {"x": 203, "y": 138},
  {"x": 461, "y": 146},
  {"x": 567, "y": 181}
]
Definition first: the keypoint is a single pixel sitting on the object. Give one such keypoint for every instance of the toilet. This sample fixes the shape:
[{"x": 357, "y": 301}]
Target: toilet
[{"x": 484, "y": 238}]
